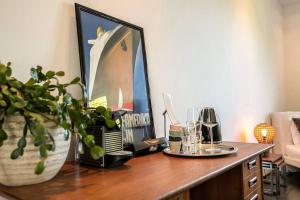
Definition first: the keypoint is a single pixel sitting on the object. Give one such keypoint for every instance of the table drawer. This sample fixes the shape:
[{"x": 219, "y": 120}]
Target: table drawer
[
  {"x": 255, "y": 195},
  {"x": 252, "y": 182},
  {"x": 181, "y": 196},
  {"x": 251, "y": 165}
]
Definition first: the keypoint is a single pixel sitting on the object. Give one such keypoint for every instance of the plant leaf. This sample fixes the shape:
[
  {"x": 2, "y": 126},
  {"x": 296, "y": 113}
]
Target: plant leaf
[
  {"x": 2, "y": 68},
  {"x": 22, "y": 142},
  {"x": 101, "y": 109},
  {"x": 50, "y": 147},
  {"x": 65, "y": 125},
  {"x": 16, "y": 153},
  {"x": 2, "y": 78},
  {"x": 89, "y": 140},
  {"x": 60, "y": 73},
  {"x": 10, "y": 110},
  {"x": 50, "y": 74},
  {"x": 43, "y": 151},
  {"x": 35, "y": 117},
  {"x": 19, "y": 104},
  {"x": 96, "y": 152},
  {"x": 40, "y": 167},
  {"x": 30, "y": 82},
  {"x": 21, "y": 151},
  {"x": 75, "y": 80},
  {"x": 4, "y": 90},
  {"x": 75, "y": 116},
  {"x": 39, "y": 134},
  {"x": 110, "y": 123},
  {"x": 3, "y": 135},
  {"x": 8, "y": 71},
  {"x": 15, "y": 83}
]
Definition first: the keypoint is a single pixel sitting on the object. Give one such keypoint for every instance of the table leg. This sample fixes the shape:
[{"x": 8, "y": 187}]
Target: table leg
[
  {"x": 277, "y": 180},
  {"x": 272, "y": 181},
  {"x": 284, "y": 175}
]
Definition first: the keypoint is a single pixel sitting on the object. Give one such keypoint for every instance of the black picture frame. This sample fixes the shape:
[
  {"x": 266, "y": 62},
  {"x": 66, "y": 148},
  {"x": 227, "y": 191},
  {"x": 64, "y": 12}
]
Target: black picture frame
[{"x": 79, "y": 9}]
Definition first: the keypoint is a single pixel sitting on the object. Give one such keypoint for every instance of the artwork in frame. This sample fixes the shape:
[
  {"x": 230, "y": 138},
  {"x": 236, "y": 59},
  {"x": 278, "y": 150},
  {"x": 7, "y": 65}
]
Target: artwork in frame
[{"x": 114, "y": 70}]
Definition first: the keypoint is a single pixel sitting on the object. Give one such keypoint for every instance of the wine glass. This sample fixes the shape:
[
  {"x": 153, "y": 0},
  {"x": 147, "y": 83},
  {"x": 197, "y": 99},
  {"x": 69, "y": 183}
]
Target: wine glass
[{"x": 210, "y": 123}]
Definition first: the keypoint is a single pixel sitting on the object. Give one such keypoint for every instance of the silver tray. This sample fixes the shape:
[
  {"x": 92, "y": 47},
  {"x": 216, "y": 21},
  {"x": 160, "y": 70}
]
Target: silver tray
[{"x": 223, "y": 149}]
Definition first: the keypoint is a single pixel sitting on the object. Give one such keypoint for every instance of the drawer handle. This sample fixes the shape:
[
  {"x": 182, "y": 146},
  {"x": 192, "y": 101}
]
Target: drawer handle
[
  {"x": 251, "y": 164},
  {"x": 252, "y": 182},
  {"x": 255, "y": 197}
]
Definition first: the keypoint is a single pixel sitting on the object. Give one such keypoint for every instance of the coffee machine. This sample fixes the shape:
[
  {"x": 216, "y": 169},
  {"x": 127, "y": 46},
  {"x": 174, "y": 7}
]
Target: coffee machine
[
  {"x": 208, "y": 115},
  {"x": 112, "y": 142}
]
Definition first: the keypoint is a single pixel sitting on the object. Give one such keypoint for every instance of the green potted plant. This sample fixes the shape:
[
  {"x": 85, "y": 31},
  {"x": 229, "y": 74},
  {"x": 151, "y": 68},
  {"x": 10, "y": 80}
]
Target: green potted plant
[{"x": 36, "y": 120}]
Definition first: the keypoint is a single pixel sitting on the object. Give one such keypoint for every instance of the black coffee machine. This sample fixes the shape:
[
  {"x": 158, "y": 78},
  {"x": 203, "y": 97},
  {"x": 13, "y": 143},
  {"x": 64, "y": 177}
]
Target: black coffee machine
[{"x": 208, "y": 115}]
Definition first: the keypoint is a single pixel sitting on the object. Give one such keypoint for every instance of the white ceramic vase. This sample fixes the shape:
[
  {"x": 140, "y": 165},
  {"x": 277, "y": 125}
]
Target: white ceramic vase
[{"x": 21, "y": 171}]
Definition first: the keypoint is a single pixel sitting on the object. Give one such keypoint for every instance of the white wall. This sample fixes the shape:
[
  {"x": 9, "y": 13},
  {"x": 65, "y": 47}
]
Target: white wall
[
  {"x": 221, "y": 53},
  {"x": 291, "y": 27}
]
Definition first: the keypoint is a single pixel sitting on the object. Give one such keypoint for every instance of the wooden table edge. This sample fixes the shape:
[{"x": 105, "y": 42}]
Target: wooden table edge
[{"x": 189, "y": 185}]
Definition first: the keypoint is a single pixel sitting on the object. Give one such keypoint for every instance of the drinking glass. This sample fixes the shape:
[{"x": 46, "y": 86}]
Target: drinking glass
[
  {"x": 199, "y": 130},
  {"x": 193, "y": 118},
  {"x": 210, "y": 123},
  {"x": 189, "y": 141},
  {"x": 193, "y": 114},
  {"x": 192, "y": 127}
]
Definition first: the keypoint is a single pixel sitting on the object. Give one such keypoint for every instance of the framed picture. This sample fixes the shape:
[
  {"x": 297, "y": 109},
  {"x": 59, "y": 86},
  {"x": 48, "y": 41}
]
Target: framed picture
[{"x": 114, "y": 70}]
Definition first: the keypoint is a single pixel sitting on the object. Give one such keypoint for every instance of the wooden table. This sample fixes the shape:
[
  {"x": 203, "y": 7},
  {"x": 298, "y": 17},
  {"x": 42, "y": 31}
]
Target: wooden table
[{"x": 157, "y": 176}]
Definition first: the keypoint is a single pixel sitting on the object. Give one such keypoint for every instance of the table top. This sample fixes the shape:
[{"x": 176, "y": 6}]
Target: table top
[
  {"x": 153, "y": 176},
  {"x": 271, "y": 157}
]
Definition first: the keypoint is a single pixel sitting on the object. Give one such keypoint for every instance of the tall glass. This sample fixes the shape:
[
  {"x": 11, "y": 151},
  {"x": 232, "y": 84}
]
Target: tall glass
[
  {"x": 193, "y": 118},
  {"x": 192, "y": 126}
]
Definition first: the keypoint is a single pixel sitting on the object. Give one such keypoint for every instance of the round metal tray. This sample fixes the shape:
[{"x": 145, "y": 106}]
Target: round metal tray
[{"x": 203, "y": 151}]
